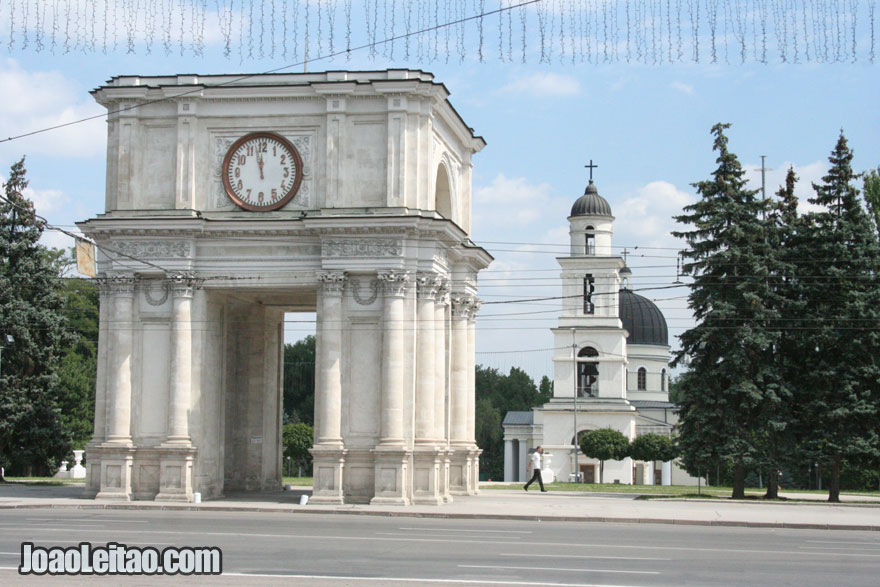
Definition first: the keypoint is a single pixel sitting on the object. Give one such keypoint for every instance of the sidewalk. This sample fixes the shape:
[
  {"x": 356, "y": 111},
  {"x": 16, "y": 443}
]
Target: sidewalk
[{"x": 504, "y": 504}]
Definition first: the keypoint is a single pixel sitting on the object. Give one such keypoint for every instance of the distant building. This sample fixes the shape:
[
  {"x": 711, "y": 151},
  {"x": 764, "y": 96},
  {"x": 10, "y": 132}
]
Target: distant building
[{"x": 618, "y": 344}]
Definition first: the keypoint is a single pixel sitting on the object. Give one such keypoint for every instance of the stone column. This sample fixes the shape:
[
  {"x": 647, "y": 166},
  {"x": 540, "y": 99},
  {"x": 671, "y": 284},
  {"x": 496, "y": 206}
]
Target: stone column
[
  {"x": 93, "y": 476},
  {"x": 473, "y": 451},
  {"x": 117, "y": 452},
  {"x": 508, "y": 461},
  {"x": 328, "y": 451},
  {"x": 391, "y": 455},
  {"x": 460, "y": 473},
  {"x": 176, "y": 454},
  {"x": 440, "y": 391},
  {"x": 428, "y": 456},
  {"x": 523, "y": 460},
  {"x": 648, "y": 475},
  {"x": 666, "y": 473}
]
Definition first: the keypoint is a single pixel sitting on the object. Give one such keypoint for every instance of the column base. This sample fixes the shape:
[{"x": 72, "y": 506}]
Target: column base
[
  {"x": 459, "y": 470},
  {"x": 115, "y": 472},
  {"x": 175, "y": 473},
  {"x": 93, "y": 470},
  {"x": 391, "y": 475},
  {"x": 328, "y": 465},
  {"x": 474, "y": 480},
  {"x": 427, "y": 472}
]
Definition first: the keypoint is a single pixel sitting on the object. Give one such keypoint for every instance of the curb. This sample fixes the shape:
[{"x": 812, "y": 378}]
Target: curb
[{"x": 455, "y": 516}]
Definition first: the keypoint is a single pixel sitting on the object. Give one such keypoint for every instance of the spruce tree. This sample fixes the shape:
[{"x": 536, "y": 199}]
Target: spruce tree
[
  {"x": 872, "y": 196},
  {"x": 32, "y": 436},
  {"x": 840, "y": 350},
  {"x": 727, "y": 256}
]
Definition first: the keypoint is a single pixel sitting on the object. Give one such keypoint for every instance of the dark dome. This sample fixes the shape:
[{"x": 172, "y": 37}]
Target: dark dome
[
  {"x": 591, "y": 203},
  {"x": 643, "y": 319}
]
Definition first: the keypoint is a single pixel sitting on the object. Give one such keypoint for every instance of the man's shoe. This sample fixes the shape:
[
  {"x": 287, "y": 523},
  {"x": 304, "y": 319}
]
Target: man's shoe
[
  {"x": 526, "y": 487},
  {"x": 544, "y": 491}
]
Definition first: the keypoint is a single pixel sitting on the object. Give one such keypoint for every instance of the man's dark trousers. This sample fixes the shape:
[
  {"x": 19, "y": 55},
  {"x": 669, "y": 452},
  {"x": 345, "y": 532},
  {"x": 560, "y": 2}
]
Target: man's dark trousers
[{"x": 536, "y": 476}]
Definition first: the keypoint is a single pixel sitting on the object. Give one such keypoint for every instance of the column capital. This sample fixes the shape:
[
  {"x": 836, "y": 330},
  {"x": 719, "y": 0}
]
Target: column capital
[
  {"x": 464, "y": 305},
  {"x": 333, "y": 282},
  {"x": 394, "y": 283},
  {"x": 429, "y": 285},
  {"x": 117, "y": 284},
  {"x": 184, "y": 285}
]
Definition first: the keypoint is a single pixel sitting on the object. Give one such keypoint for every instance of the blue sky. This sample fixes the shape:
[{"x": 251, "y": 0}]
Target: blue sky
[{"x": 647, "y": 127}]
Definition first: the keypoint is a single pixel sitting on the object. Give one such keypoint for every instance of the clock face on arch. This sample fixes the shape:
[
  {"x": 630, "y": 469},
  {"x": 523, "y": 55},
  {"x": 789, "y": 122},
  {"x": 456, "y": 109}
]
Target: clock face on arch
[{"x": 262, "y": 171}]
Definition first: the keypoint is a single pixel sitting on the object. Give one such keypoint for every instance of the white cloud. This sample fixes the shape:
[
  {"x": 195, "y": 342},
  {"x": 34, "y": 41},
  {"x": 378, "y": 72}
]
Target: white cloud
[
  {"x": 46, "y": 201},
  {"x": 510, "y": 201},
  {"x": 682, "y": 87},
  {"x": 545, "y": 85},
  {"x": 646, "y": 217},
  {"x": 775, "y": 178},
  {"x": 34, "y": 100}
]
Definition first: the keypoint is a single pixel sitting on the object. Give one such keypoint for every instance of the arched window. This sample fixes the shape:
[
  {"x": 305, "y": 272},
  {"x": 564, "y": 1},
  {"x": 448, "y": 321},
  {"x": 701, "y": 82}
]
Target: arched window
[
  {"x": 590, "y": 242},
  {"x": 588, "y": 372},
  {"x": 643, "y": 379},
  {"x": 663, "y": 381}
]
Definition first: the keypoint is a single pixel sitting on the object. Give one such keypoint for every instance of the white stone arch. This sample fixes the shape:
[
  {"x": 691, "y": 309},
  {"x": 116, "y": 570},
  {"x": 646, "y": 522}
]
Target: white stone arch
[
  {"x": 634, "y": 374},
  {"x": 445, "y": 200}
]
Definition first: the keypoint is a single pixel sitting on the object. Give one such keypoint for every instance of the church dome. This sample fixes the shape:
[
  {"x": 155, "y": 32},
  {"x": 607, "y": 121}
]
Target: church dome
[
  {"x": 642, "y": 319},
  {"x": 591, "y": 203}
]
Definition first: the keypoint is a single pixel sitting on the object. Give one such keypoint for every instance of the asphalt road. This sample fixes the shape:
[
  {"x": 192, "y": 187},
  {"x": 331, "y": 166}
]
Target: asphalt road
[{"x": 304, "y": 549}]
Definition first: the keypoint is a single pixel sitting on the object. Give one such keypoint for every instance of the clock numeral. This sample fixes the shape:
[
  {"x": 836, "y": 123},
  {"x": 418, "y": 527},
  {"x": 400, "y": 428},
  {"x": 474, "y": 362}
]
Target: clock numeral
[
  {"x": 240, "y": 185},
  {"x": 283, "y": 159},
  {"x": 264, "y": 147},
  {"x": 274, "y": 194},
  {"x": 241, "y": 159},
  {"x": 260, "y": 197},
  {"x": 250, "y": 149},
  {"x": 249, "y": 193},
  {"x": 286, "y": 171},
  {"x": 238, "y": 172},
  {"x": 274, "y": 150}
]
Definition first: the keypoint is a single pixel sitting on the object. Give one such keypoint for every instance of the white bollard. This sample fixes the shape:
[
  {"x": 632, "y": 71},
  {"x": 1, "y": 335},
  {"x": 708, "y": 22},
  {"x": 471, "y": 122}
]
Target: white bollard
[
  {"x": 197, "y": 497},
  {"x": 303, "y": 499}
]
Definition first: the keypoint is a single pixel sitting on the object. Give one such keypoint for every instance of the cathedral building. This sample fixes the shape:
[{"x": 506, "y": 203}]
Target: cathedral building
[{"x": 610, "y": 364}]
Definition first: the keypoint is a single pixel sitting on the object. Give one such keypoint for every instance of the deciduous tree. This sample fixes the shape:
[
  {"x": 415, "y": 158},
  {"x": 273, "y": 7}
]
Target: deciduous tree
[{"x": 604, "y": 444}]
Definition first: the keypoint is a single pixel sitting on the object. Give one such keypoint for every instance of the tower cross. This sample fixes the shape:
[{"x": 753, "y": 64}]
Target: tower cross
[
  {"x": 591, "y": 167},
  {"x": 625, "y": 255}
]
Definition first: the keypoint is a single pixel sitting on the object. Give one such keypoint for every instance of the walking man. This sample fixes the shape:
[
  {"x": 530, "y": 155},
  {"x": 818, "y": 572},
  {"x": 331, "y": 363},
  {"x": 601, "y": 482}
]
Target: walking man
[{"x": 535, "y": 466}]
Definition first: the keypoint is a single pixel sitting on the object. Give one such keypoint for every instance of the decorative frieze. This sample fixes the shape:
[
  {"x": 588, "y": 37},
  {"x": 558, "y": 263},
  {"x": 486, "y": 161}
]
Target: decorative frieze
[
  {"x": 332, "y": 282},
  {"x": 152, "y": 249},
  {"x": 156, "y": 284},
  {"x": 362, "y": 247},
  {"x": 394, "y": 282}
]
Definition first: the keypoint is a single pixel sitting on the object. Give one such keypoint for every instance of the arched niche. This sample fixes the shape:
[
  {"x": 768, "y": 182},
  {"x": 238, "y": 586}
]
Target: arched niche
[{"x": 442, "y": 192}]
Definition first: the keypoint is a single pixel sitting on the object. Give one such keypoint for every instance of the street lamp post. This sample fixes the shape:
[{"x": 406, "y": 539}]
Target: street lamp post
[{"x": 574, "y": 451}]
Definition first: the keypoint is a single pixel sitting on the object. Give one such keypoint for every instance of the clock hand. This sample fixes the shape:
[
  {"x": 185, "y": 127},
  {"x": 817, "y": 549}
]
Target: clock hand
[{"x": 260, "y": 163}]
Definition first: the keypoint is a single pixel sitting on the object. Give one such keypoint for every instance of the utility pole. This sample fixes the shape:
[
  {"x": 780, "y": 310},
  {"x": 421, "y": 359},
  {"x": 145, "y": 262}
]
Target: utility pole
[
  {"x": 763, "y": 177},
  {"x": 574, "y": 459}
]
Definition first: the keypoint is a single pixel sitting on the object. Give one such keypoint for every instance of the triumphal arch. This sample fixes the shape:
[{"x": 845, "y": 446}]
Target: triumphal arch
[{"x": 234, "y": 199}]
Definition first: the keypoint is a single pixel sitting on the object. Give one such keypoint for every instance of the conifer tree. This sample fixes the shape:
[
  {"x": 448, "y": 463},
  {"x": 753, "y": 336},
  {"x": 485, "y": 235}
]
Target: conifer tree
[
  {"x": 727, "y": 257},
  {"x": 840, "y": 350},
  {"x": 32, "y": 436},
  {"x": 872, "y": 196}
]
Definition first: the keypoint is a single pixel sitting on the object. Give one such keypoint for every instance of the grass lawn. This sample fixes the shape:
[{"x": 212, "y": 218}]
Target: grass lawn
[
  {"x": 298, "y": 481},
  {"x": 668, "y": 490}
]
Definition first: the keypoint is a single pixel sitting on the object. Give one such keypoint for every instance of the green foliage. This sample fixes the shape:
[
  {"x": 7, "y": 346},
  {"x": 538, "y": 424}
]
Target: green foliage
[
  {"x": 298, "y": 438},
  {"x": 839, "y": 354},
  {"x": 653, "y": 447},
  {"x": 731, "y": 259},
  {"x": 32, "y": 435},
  {"x": 299, "y": 381},
  {"x": 497, "y": 394},
  {"x": 604, "y": 444},
  {"x": 872, "y": 195}
]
